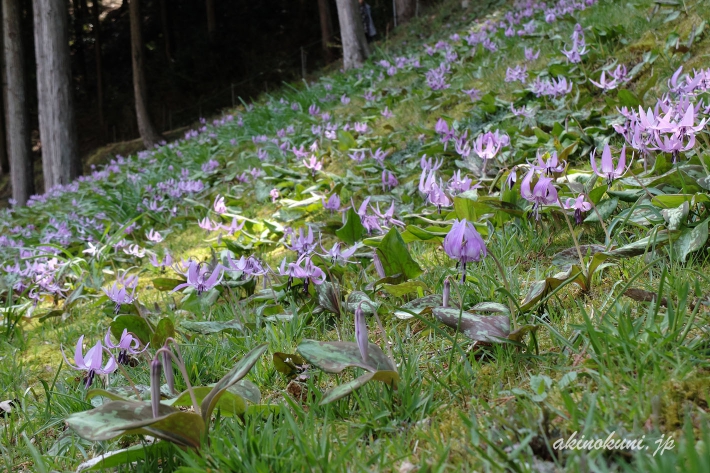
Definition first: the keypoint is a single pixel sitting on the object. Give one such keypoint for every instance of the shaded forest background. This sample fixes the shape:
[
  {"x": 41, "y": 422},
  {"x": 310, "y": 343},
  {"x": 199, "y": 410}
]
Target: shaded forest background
[{"x": 255, "y": 46}]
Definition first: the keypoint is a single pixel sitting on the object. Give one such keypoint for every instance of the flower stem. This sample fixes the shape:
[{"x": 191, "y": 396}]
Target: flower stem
[
  {"x": 125, "y": 374},
  {"x": 181, "y": 366},
  {"x": 574, "y": 239}
]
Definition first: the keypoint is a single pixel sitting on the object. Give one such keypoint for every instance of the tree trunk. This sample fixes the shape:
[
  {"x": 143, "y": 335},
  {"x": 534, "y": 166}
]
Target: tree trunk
[
  {"x": 99, "y": 67},
  {"x": 4, "y": 163},
  {"x": 79, "y": 39},
  {"x": 57, "y": 129},
  {"x": 211, "y": 20},
  {"x": 352, "y": 34},
  {"x": 165, "y": 25},
  {"x": 18, "y": 133},
  {"x": 405, "y": 10},
  {"x": 140, "y": 91},
  {"x": 326, "y": 28}
]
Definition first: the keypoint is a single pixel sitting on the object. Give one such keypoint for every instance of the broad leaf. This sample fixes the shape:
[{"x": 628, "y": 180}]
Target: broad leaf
[
  {"x": 235, "y": 374},
  {"x": 334, "y": 357},
  {"x": 208, "y": 327},
  {"x": 353, "y": 230},
  {"x": 125, "y": 456},
  {"x": 135, "y": 324},
  {"x": 288, "y": 364},
  {"x": 419, "y": 306},
  {"x": 482, "y": 328},
  {"x": 399, "y": 290},
  {"x": 163, "y": 331},
  {"x": 689, "y": 240},
  {"x": 395, "y": 257}
]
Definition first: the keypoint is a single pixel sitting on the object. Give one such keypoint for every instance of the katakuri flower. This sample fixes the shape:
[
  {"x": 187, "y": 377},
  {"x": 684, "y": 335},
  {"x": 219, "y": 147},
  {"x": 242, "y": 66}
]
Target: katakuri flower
[
  {"x": 544, "y": 192},
  {"x": 579, "y": 205},
  {"x": 361, "y": 332},
  {"x": 199, "y": 279},
  {"x": 608, "y": 171},
  {"x": 92, "y": 362},
  {"x": 464, "y": 244},
  {"x": 120, "y": 296},
  {"x": 128, "y": 344}
]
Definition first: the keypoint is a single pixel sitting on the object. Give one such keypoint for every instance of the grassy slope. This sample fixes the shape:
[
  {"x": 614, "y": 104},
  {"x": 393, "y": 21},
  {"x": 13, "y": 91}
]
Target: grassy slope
[{"x": 452, "y": 412}]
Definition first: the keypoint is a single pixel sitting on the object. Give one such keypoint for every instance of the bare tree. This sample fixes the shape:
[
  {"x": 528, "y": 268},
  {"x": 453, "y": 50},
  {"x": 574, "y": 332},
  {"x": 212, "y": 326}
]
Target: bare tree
[
  {"x": 57, "y": 129},
  {"x": 352, "y": 34},
  {"x": 326, "y": 28},
  {"x": 405, "y": 10},
  {"x": 140, "y": 90}
]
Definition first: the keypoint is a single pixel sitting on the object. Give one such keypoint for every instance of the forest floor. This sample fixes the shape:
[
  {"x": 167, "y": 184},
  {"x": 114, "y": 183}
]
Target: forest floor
[{"x": 563, "y": 329}]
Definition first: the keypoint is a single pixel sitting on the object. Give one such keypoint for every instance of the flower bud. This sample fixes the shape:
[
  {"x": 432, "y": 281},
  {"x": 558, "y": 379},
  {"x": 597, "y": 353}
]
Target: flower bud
[
  {"x": 447, "y": 290},
  {"x": 169, "y": 372},
  {"x": 361, "y": 332},
  {"x": 155, "y": 369},
  {"x": 378, "y": 265}
]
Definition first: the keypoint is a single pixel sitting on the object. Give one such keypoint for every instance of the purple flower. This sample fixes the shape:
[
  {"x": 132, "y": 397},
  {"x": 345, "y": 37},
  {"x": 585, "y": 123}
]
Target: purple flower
[
  {"x": 274, "y": 193},
  {"x": 120, "y": 296},
  {"x": 302, "y": 244},
  {"x": 233, "y": 227},
  {"x": 336, "y": 255},
  {"x": 309, "y": 272},
  {"x": 128, "y": 344},
  {"x": 464, "y": 244},
  {"x": 473, "y": 94},
  {"x": 609, "y": 172},
  {"x": 219, "y": 206},
  {"x": 165, "y": 262},
  {"x": 429, "y": 164},
  {"x": 388, "y": 217},
  {"x": 357, "y": 156},
  {"x": 517, "y": 73},
  {"x": 199, "y": 279},
  {"x": 344, "y": 99},
  {"x": 361, "y": 332},
  {"x": 552, "y": 165},
  {"x": 92, "y": 362},
  {"x": 458, "y": 184},
  {"x": 313, "y": 164},
  {"x": 378, "y": 155},
  {"x": 332, "y": 204},
  {"x": 605, "y": 84},
  {"x": 154, "y": 236},
  {"x": 544, "y": 192},
  {"x": 249, "y": 266},
  {"x": 438, "y": 197},
  {"x": 389, "y": 180},
  {"x": 386, "y": 113},
  {"x": 531, "y": 55},
  {"x": 579, "y": 205}
]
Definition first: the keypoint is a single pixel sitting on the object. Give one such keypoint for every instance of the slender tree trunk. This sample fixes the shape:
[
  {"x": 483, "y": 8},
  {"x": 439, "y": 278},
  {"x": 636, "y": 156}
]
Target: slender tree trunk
[
  {"x": 140, "y": 91},
  {"x": 79, "y": 39},
  {"x": 99, "y": 67},
  {"x": 326, "y": 28},
  {"x": 4, "y": 163},
  {"x": 57, "y": 129},
  {"x": 165, "y": 25},
  {"x": 211, "y": 20},
  {"x": 18, "y": 133},
  {"x": 405, "y": 10},
  {"x": 352, "y": 34}
]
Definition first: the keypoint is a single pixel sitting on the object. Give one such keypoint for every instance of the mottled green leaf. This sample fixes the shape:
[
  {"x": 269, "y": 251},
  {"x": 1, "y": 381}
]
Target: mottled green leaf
[
  {"x": 288, "y": 364},
  {"x": 604, "y": 208},
  {"x": 419, "y": 306},
  {"x": 399, "y": 290},
  {"x": 334, "y": 357},
  {"x": 232, "y": 402},
  {"x": 482, "y": 328},
  {"x": 360, "y": 299},
  {"x": 117, "y": 418},
  {"x": 235, "y": 374},
  {"x": 209, "y": 327},
  {"x": 689, "y": 240},
  {"x": 387, "y": 377},
  {"x": 124, "y": 456}
]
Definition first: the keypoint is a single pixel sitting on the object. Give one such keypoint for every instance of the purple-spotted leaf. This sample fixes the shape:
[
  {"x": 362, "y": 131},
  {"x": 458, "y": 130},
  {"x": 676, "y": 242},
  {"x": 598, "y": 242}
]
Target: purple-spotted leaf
[
  {"x": 360, "y": 299},
  {"x": 235, "y": 374},
  {"x": 234, "y": 401},
  {"x": 338, "y": 392},
  {"x": 482, "y": 328},
  {"x": 334, "y": 357},
  {"x": 518, "y": 334},
  {"x": 540, "y": 289},
  {"x": 420, "y": 306},
  {"x": 117, "y": 418},
  {"x": 490, "y": 307}
]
